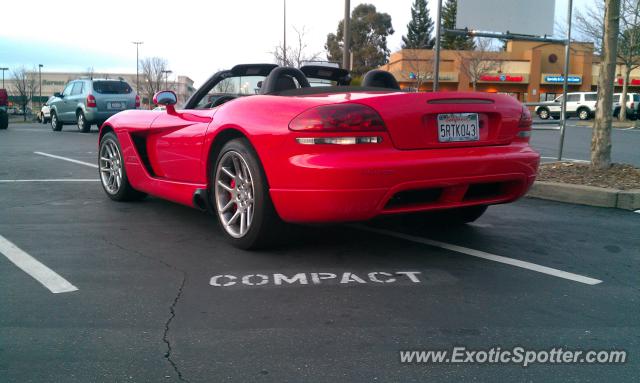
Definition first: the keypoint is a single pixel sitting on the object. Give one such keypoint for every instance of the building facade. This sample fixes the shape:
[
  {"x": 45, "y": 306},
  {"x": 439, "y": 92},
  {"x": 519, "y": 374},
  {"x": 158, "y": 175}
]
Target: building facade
[
  {"x": 529, "y": 71},
  {"x": 53, "y": 82}
]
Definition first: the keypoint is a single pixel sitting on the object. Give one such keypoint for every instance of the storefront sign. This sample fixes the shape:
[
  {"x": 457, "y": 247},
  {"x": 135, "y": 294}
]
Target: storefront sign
[
  {"x": 501, "y": 78},
  {"x": 553, "y": 79},
  {"x": 633, "y": 81}
]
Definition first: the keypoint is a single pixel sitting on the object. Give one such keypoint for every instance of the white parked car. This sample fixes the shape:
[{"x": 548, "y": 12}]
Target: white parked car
[
  {"x": 633, "y": 105},
  {"x": 579, "y": 104},
  {"x": 45, "y": 112}
]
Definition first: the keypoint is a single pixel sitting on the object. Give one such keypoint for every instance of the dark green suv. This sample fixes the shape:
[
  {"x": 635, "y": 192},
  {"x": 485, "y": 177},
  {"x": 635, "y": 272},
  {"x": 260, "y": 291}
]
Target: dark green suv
[{"x": 85, "y": 102}]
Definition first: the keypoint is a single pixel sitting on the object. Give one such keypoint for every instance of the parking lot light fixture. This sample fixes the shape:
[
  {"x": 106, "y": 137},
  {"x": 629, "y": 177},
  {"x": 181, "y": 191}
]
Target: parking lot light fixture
[
  {"x": 166, "y": 78},
  {"x": 40, "y": 81},
  {"x": 137, "y": 43}
]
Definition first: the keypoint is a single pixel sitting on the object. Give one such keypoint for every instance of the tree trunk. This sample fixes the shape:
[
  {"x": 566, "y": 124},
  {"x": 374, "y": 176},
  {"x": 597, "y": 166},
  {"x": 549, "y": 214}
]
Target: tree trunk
[
  {"x": 625, "y": 89},
  {"x": 475, "y": 85},
  {"x": 601, "y": 138}
]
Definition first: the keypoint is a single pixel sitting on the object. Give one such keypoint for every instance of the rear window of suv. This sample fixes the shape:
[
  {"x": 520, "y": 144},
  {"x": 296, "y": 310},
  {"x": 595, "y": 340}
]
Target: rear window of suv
[
  {"x": 111, "y": 87},
  {"x": 591, "y": 97}
]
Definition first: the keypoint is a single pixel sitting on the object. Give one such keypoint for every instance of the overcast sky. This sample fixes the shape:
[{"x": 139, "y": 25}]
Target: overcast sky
[{"x": 196, "y": 37}]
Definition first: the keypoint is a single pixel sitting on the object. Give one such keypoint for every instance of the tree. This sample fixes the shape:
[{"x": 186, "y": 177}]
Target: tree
[
  {"x": 454, "y": 42},
  {"x": 420, "y": 67},
  {"x": 369, "y": 31},
  {"x": 591, "y": 26},
  {"x": 152, "y": 76},
  {"x": 479, "y": 62},
  {"x": 295, "y": 55},
  {"x": 419, "y": 28},
  {"x": 601, "y": 136},
  {"x": 25, "y": 86}
]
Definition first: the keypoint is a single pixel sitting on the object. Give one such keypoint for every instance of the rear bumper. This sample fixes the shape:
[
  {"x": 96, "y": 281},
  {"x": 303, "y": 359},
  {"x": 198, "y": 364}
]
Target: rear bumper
[
  {"x": 96, "y": 116},
  {"x": 371, "y": 183}
]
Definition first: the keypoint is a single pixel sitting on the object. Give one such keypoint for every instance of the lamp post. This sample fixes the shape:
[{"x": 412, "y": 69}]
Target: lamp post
[
  {"x": 284, "y": 30},
  {"x": 346, "y": 57},
  {"x": 137, "y": 43},
  {"x": 166, "y": 78},
  {"x": 3, "y": 69},
  {"x": 40, "y": 85}
]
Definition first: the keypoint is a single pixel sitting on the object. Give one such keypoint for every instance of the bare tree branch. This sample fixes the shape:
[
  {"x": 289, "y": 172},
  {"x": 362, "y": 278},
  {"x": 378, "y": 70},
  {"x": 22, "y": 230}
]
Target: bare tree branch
[
  {"x": 420, "y": 68},
  {"x": 297, "y": 54},
  {"x": 481, "y": 61},
  {"x": 152, "y": 76}
]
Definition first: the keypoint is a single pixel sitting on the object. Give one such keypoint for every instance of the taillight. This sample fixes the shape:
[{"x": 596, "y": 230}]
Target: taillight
[
  {"x": 137, "y": 101},
  {"x": 632, "y": 105},
  {"x": 91, "y": 101},
  {"x": 338, "y": 118},
  {"x": 524, "y": 125}
]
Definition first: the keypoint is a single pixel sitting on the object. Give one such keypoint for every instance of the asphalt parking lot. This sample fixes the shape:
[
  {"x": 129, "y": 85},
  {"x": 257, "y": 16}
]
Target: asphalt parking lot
[
  {"x": 149, "y": 291},
  {"x": 625, "y": 143}
]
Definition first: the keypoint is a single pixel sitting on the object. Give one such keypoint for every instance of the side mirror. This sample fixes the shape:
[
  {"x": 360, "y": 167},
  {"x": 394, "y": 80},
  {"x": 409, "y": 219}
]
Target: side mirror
[
  {"x": 57, "y": 94},
  {"x": 167, "y": 99}
]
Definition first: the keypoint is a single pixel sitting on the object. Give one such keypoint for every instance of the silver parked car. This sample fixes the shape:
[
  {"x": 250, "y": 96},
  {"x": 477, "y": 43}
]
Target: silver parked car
[{"x": 85, "y": 102}]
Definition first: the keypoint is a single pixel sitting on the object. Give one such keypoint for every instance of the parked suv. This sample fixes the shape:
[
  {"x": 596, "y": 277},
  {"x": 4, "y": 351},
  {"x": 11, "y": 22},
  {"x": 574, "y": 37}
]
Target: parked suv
[
  {"x": 4, "y": 115},
  {"x": 85, "y": 102},
  {"x": 633, "y": 105},
  {"x": 579, "y": 104}
]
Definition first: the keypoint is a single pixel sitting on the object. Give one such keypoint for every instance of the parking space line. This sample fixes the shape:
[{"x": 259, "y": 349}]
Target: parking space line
[
  {"x": 485, "y": 255},
  {"x": 54, "y": 180},
  {"x": 41, "y": 273},
  {"x": 67, "y": 159}
]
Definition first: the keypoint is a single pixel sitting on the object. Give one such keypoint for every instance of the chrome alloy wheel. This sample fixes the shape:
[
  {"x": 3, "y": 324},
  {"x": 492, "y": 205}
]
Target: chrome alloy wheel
[
  {"x": 234, "y": 194},
  {"x": 111, "y": 167},
  {"x": 80, "y": 121}
]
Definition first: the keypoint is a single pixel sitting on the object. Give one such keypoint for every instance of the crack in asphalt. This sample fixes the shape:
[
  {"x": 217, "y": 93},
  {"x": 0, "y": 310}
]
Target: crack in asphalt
[
  {"x": 167, "y": 355},
  {"x": 165, "y": 335}
]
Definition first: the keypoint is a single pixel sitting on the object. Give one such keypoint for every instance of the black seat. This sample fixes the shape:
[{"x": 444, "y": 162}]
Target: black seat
[
  {"x": 282, "y": 78},
  {"x": 380, "y": 79}
]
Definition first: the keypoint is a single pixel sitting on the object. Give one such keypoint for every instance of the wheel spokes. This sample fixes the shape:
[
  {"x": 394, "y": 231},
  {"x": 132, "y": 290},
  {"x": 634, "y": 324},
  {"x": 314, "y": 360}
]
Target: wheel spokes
[{"x": 234, "y": 194}]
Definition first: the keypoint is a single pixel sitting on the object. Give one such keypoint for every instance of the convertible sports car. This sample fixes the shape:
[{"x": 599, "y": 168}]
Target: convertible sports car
[{"x": 257, "y": 145}]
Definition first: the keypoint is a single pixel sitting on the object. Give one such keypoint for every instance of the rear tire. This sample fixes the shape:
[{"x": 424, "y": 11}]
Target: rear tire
[
  {"x": 240, "y": 198},
  {"x": 83, "y": 125},
  {"x": 56, "y": 125},
  {"x": 584, "y": 114},
  {"x": 4, "y": 120},
  {"x": 112, "y": 172}
]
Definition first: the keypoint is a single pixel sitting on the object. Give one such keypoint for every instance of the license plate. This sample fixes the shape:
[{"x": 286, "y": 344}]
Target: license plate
[
  {"x": 456, "y": 127},
  {"x": 116, "y": 105}
]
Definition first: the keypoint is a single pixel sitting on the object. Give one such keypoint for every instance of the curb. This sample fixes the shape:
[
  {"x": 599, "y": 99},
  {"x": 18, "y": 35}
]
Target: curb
[{"x": 586, "y": 195}]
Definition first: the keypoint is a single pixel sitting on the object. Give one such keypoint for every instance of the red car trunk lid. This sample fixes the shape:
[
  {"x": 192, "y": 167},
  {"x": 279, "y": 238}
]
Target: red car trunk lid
[{"x": 411, "y": 118}]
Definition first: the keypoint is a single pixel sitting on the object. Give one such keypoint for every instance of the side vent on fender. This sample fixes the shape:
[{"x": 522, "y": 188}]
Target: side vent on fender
[{"x": 140, "y": 143}]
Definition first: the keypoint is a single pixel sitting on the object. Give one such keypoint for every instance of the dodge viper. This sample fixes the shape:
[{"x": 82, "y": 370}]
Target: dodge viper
[{"x": 259, "y": 145}]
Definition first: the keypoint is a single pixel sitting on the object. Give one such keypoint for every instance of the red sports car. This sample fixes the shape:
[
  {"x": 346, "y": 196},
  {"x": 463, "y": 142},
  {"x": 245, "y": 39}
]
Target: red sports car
[{"x": 258, "y": 145}]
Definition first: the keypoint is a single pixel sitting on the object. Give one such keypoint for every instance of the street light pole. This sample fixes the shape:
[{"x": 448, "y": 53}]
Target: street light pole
[
  {"x": 3, "y": 69},
  {"x": 346, "y": 56},
  {"x": 565, "y": 81},
  {"x": 166, "y": 78},
  {"x": 40, "y": 86},
  {"x": 137, "y": 43},
  {"x": 284, "y": 31},
  {"x": 436, "y": 64}
]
